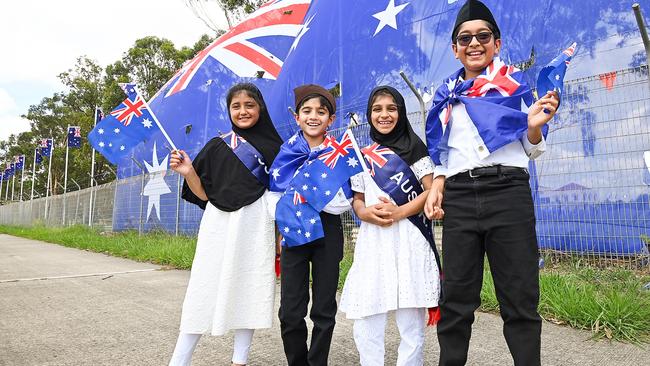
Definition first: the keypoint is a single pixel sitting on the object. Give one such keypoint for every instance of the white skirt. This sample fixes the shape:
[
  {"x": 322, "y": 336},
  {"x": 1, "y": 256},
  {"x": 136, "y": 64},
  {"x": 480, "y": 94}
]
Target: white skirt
[
  {"x": 232, "y": 283},
  {"x": 394, "y": 268}
]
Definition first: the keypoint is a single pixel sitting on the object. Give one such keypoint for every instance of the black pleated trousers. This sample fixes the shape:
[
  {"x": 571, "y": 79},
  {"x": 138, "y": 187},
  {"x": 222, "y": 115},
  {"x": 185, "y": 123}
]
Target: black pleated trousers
[
  {"x": 490, "y": 215},
  {"x": 320, "y": 257}
]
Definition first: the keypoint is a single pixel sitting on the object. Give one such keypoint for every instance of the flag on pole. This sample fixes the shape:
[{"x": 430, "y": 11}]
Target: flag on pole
[
  {"x": 10, "y": 169},
  {"x": 46, "y": 147},
  {"x": 39, "y": 156},
  {"x": 74, "y": 136},
  {"x": 551, "y": 78},
  {"x": 19, "y": 162},
  {"x": 99, "y": 115},
  {"x": 124, "y": 128}
]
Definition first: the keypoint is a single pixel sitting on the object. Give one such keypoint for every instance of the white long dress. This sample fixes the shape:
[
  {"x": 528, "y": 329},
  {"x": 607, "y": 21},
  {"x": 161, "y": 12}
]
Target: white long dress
[
  {"x": 394, "y": 267},
  {"x": 232, "y": 283}
]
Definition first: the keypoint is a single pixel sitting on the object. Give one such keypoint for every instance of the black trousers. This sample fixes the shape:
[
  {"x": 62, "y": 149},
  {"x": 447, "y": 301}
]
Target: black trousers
[
  {"x": 324, "y": 256},
  {"x": 490, "y": 215}
]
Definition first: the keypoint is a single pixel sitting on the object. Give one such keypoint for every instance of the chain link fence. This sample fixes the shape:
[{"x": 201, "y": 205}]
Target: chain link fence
[{"x": 591, "y": 187}]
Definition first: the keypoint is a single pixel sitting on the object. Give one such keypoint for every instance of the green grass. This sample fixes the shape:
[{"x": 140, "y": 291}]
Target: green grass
[
  {"x": 611, "y": 303},
  {"x": 160, "y": 248},
  {"x": 608, "y": 302}
]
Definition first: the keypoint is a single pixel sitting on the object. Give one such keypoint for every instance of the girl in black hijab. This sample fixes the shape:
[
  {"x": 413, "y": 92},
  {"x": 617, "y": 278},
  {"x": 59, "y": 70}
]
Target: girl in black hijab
[
  {"x": 395, "y": 266},
  {"x": 232, "y": 283}
]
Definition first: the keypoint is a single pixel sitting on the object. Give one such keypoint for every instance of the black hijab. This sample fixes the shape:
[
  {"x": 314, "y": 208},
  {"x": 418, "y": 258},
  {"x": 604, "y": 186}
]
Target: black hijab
[
  {"x": 227, "y": 182},
  {"x": 402, "y": 140}
]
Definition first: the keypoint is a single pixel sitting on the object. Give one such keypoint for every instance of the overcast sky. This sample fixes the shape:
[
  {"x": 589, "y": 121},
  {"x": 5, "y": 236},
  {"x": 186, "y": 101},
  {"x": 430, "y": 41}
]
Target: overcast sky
[{"x": 42, "y": 38}]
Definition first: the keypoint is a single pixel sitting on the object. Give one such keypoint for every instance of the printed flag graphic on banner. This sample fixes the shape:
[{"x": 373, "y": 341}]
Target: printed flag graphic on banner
[
  {"x": 74, "y": 136},
  {"x": 124, "y": 128}
]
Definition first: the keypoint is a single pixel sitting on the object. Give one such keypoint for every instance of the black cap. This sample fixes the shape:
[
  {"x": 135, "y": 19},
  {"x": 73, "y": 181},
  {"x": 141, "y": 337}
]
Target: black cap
[{"x": 474, "y": 10}]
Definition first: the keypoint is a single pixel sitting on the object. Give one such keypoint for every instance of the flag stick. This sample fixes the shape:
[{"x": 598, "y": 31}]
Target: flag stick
[
  {"x": 65, "y": 173},
  {"x": 31, "y": 197},
  {"x": 2, "y": 180},
  {"x": 49, "y": 172},
  {"x": 92, "y": 175},
  {"x": 357, "y": 151},
  {"x": 22, "y": 178},
  {"x": 155, "y": 119},
  {"x": 13, "y": 183}
]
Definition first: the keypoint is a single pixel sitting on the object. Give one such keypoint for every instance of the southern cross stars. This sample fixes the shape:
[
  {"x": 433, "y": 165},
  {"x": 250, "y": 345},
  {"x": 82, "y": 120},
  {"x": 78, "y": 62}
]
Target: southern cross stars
[{"x": 388, "y": 16}]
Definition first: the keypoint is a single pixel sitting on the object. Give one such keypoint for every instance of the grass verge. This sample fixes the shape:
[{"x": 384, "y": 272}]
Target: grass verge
[{"x": 609, "y": 302}]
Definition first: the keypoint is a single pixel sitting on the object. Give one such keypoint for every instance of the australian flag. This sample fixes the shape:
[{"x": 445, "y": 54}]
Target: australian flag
[
  {"x": 45, "y": 146},
  {"x": 10, "y": 170},
  {"x": 39, "y": 157},
  {"x": 314, "y": 185},
  {"x": 551, "y": 77},
  {"x": 124, "y": 128},
  {"x": 19, "y": 162},
  {"x": 74, "y": 136}
]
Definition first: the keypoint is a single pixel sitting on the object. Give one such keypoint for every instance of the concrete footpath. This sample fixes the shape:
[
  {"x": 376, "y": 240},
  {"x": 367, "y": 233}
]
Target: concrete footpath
[{"x": 62, "y": 306}]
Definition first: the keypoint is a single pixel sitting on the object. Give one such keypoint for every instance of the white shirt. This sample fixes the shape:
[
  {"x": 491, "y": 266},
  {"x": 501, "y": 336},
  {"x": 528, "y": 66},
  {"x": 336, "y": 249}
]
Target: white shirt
[{"x": 468, "y": 151}]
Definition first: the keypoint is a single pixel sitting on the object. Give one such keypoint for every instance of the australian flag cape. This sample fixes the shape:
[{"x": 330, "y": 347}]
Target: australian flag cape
[
  {"x": 249, "y": 156},
  {"x": 393, "y": 176},
  {"x": 309, "y": 180},
  {"x": 496, "y": 101}
]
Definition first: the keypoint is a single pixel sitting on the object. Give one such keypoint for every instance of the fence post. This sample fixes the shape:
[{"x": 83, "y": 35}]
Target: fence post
[
  {"x": 644, "y": 34},
  {"x": 423, "y": 110}
]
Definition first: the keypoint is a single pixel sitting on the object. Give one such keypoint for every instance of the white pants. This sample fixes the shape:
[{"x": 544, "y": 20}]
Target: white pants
[
  {"x": 369, "y": 337},
  {"x": 187, "y": 342}
]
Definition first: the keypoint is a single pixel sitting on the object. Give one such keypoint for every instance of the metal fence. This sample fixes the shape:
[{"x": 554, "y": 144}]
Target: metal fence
[{"x": 591, "y": 187}]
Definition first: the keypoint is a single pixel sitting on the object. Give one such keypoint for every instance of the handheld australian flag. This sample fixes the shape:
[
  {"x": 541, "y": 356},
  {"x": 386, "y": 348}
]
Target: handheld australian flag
[
  {"x": 45, "y": 146},
  {"x": 551, "y": 77},
  {"x": 314, "y": 185},
  {"x": 124, "y": 128},
  {"x": 74, "y": 136}
]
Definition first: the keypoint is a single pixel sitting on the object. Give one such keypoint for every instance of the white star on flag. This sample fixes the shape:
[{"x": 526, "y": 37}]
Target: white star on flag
[
  {"x": 101, "y": 144},
  {"x": 292, "y": 139},
  {"x": 286, "y": 229},
  {"x": 353, "y": 162},
  {"x": 276, "y": 174},
  {"x": 110, "y": 144},
  {"x": 327, "y": 193},
  {"x": 314, "y": 188},
  {"x": 122, "y": 148},
  {"x": 298, "y": 213},
  {"x": 299, "y": 231},
  {"x": 306, "y": 175},
  {"x": 302, "y": 32},
  {"x": 117, "y": 130},
  {"x": 307, "y": 235},
  {"x": 101, "y": 131},
  {"x": 304, "y": 188},
  {"x": 147, "y": 123},
  {"x": 388, "y": 16},
  {"x": 324, "y": 175},
  {"x": 312, "y": 221}
]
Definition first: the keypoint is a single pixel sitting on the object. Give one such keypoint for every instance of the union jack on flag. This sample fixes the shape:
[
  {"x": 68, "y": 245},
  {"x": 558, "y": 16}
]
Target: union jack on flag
[
  {"x": 298, "y": 198},
  {"x": 236, "y": 50},
  {"x": 498, "y": 76},
  {"x": 232, "y": 139},
  {"x": 129, "y": 109},
  {"x": 375, "y": 154},
  {"x": 338, "y": 150}
]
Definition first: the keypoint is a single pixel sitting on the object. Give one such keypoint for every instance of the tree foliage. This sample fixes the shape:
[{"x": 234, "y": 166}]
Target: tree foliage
[{"x": 150, "y": 62}]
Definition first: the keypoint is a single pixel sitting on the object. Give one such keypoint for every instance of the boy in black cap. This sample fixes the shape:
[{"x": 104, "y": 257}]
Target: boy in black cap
[{"x": 481, "y": 133}]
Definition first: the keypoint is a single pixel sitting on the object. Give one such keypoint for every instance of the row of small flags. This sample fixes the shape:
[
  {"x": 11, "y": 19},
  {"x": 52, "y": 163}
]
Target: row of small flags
[{"x": 43, "y": 149}]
